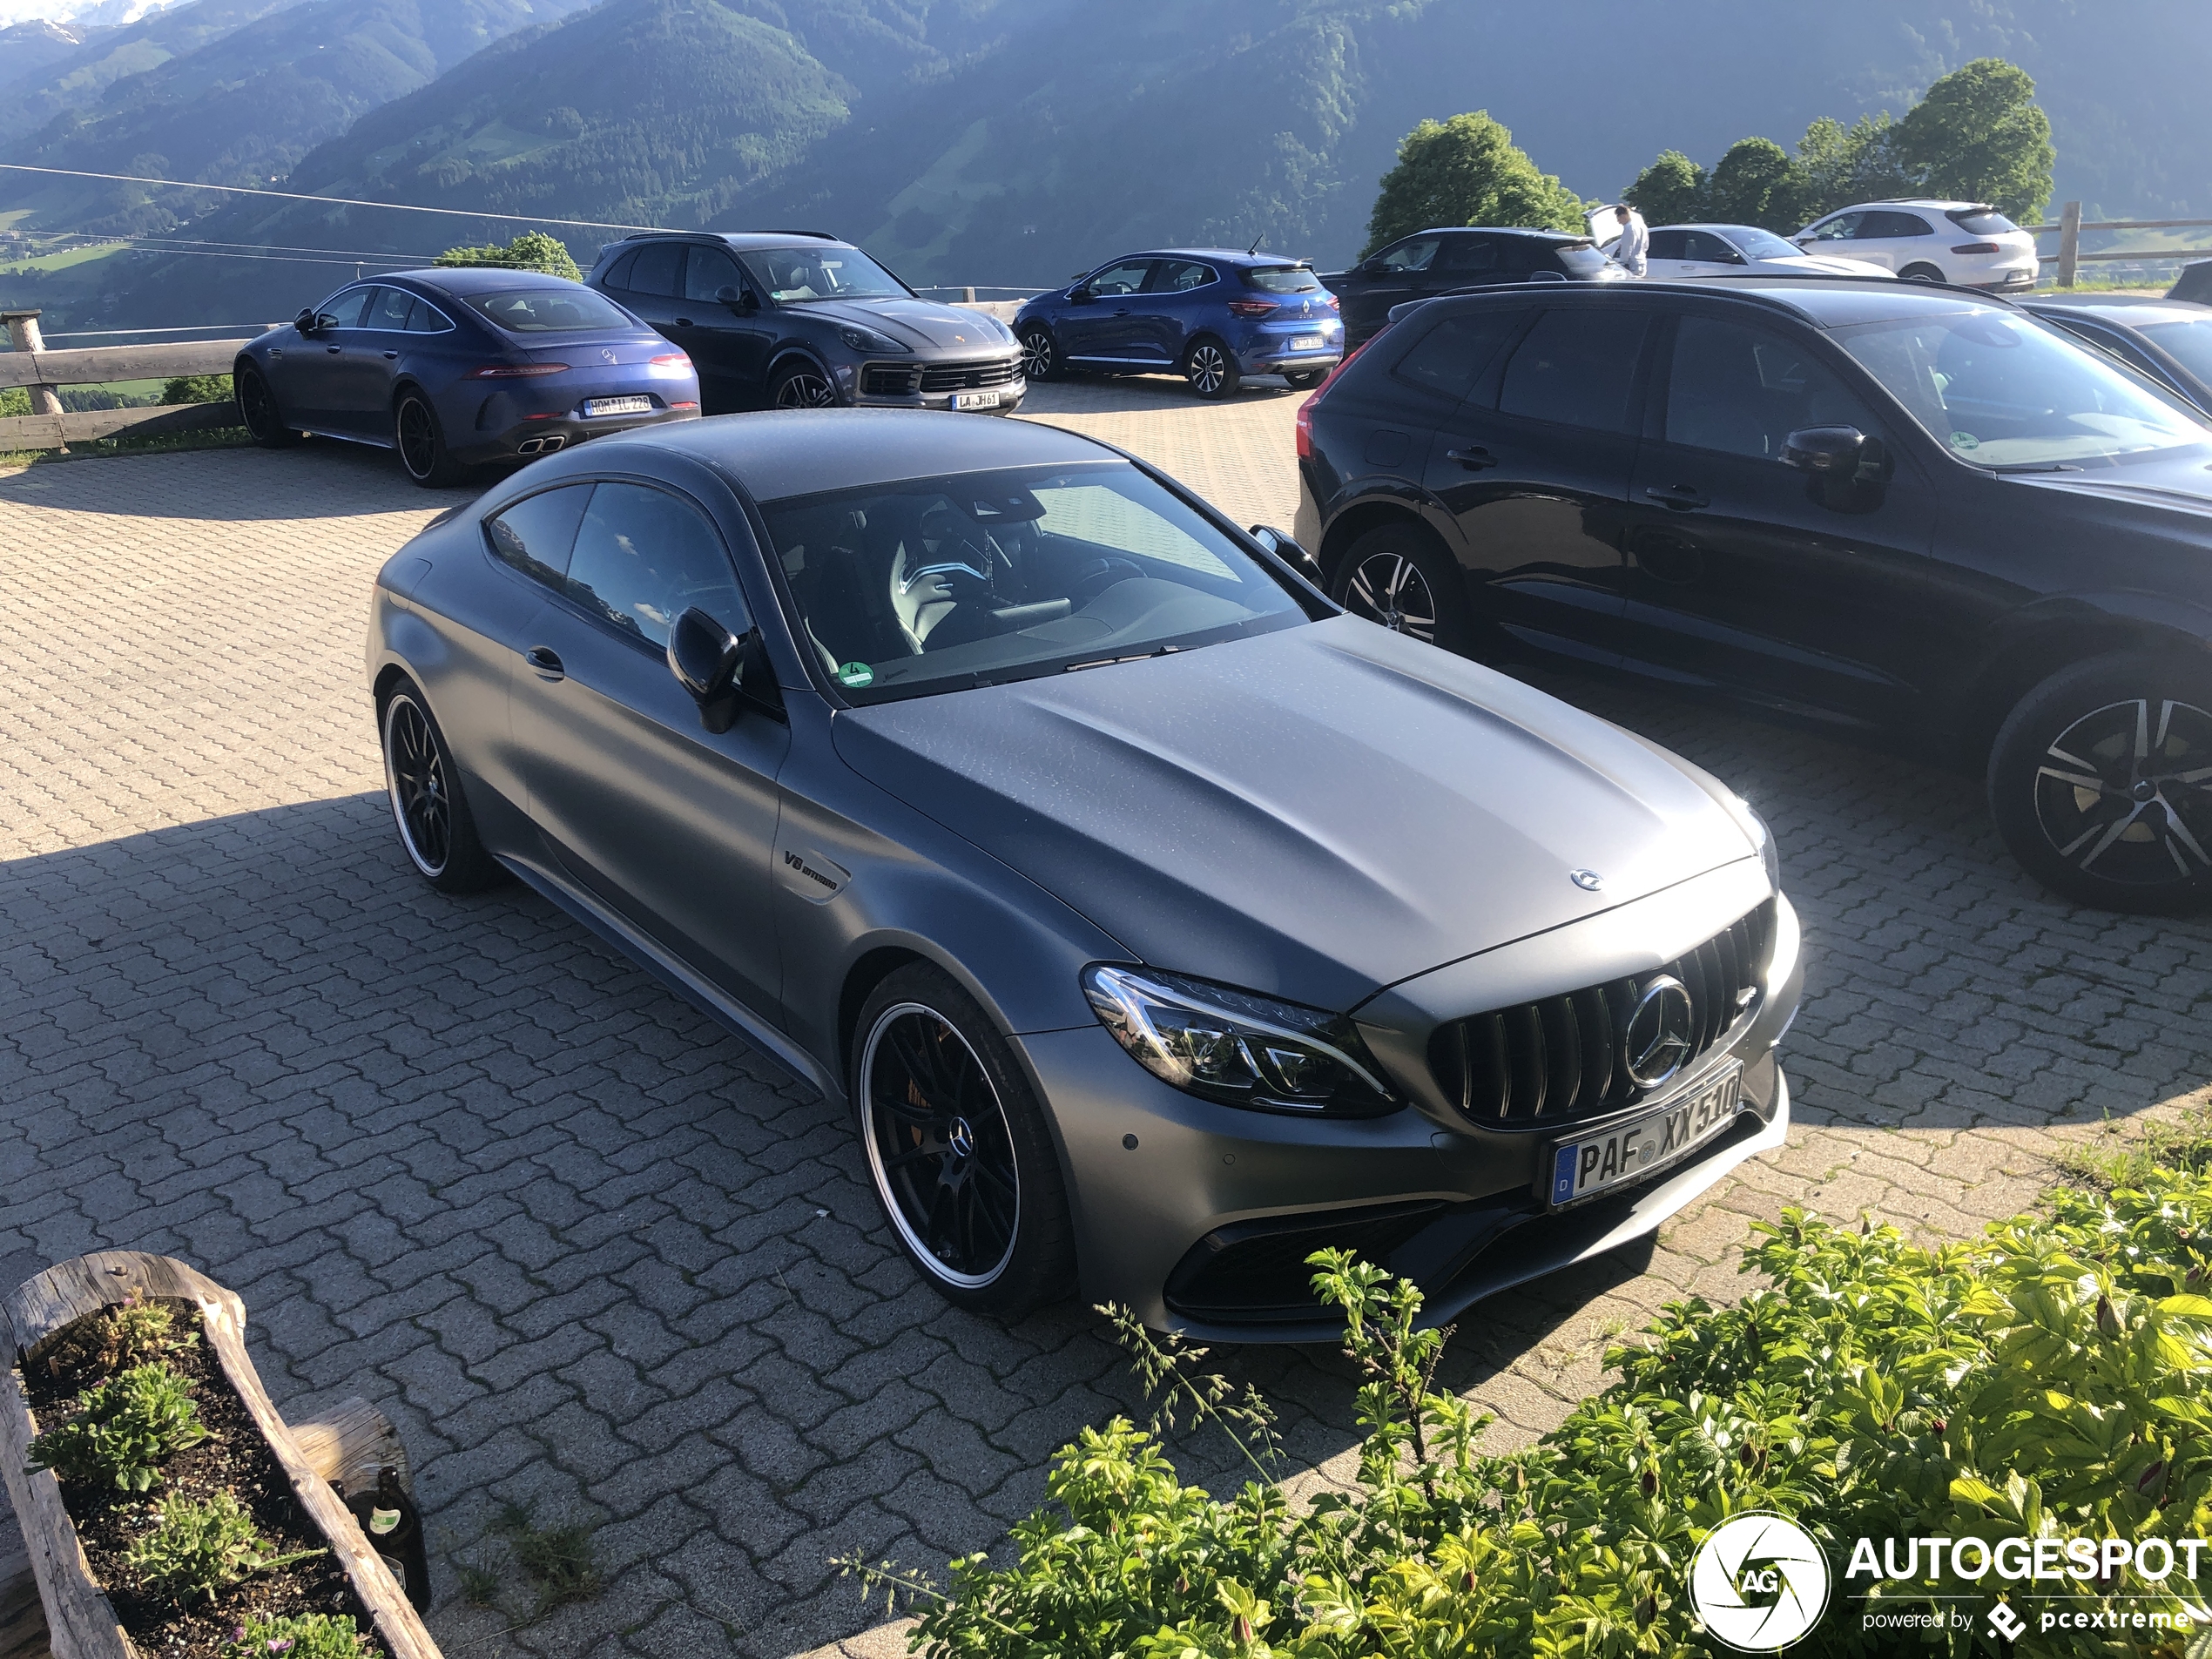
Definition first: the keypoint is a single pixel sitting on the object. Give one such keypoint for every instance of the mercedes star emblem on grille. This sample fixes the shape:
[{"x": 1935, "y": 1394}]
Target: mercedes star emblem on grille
[
  {"x": 606, "y": 353},
  {"x": 1656, "y": 1034}
]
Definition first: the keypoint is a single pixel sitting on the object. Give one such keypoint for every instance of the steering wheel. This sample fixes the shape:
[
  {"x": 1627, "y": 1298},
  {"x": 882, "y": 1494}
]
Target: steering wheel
[{"x": 1101, "y": 574}]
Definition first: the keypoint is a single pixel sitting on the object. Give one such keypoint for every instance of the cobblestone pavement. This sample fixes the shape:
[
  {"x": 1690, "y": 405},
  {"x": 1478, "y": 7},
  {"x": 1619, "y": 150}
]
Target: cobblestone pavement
[{"x": 594, "y": 1256}]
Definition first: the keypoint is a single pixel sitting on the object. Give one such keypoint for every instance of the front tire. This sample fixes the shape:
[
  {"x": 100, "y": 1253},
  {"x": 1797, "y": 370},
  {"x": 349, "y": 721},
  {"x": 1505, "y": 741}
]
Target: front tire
[
  {"x": 801, "y": 385},
  {"x": 2100, "y": 783},
  {"x": 437, "y": 831},
  {"x": 957, "y": 1148},
  {"x": 1211, "y": 369},
  {"x": 257, "y": 407},
  {"x": 1400, "y": 576},
  {"x": 1040, "y": 356},
  {"x": 420, "y": 439}
]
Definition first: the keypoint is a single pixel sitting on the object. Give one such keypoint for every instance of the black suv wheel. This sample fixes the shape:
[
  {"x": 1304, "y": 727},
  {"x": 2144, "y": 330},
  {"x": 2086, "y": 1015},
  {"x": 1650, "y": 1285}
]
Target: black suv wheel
[{"x": 1398, "y": 575}]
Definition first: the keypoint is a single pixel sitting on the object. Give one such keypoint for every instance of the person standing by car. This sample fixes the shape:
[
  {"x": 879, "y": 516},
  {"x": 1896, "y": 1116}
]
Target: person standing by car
[{"x": 1635, "y": 240}]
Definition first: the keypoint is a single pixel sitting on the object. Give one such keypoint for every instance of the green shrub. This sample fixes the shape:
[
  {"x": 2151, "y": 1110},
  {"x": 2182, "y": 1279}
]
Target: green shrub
[
  {"x": 196, "y": 389},
  {"x": 310, "y": 1636},
  {"x": 2048, "y": 1378},
  {"x": 199, "y": 1549},
  {"x": 533, "y": 251},
  {"x": 126, "y": 1428}
]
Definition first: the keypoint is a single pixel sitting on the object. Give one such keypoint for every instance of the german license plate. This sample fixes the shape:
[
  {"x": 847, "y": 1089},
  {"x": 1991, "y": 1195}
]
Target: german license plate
[
  {"x": 617, "y": 405},
  {"x": 1305, "y": 342},
  {"x": 1590, "y": 1164},
  {"x": 975, "y": 400}
]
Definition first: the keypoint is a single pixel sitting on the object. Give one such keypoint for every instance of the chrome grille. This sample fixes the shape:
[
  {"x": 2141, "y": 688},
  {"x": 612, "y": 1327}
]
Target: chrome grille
[
  {"x": 888, "y": 379},
  {"x": 962, "y": 377},
  {"x": 1563, "y": 1057}
]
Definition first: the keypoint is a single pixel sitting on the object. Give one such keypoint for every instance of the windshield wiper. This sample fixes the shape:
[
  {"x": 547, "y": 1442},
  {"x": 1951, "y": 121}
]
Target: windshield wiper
[
  {"x": 2033, "y": 466},
  {"x": 1108, "y": 662}
]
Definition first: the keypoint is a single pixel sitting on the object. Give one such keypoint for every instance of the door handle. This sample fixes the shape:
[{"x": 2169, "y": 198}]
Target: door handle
[
  {"x": 545, "y": 660},
  {"x": 333, "y": 350},
  {"x": 1680, "y": 495},
  {"x": 686, "y": 322},
  {"x": 391, "y": 356},
  {"x": 1475, "y": 457},
  {"x": 1124, "y": 312}
]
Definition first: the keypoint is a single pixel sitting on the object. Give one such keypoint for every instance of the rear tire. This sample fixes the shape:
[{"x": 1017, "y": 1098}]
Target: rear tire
[
  {"x": 257, "y": 408},
  {"x": 1922, "y": 273},
  {"x": 437, "y": 831},
  {"x": 2087, "y": 783},
  {"x": 957, "y": 1148},
  {"x": 1305, "y": 380},
  {"x": 1400, "y": 576},
  {"x": 1211, "y": 369},
  {"x": 421, "y": 442}
]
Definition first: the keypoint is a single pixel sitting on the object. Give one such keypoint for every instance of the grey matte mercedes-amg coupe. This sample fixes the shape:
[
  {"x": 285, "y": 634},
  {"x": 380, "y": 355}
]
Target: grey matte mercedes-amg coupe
[{"x": 1160, "y": 922}]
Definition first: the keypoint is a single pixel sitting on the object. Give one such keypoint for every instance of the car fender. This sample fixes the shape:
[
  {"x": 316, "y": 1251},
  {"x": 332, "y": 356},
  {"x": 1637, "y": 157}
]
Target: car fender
[
  {"x": 2155, "y": 618},
  {"x": 1364, "y": 502},
  {"x": 784, "y": 351},
  {"x": 2026, "y": 646}
]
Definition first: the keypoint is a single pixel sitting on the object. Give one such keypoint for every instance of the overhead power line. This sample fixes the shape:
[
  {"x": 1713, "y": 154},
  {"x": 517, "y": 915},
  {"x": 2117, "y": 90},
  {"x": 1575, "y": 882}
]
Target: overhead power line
[
  {"x": 335, "y": 201},
  {"x": 181, "y": 243}
]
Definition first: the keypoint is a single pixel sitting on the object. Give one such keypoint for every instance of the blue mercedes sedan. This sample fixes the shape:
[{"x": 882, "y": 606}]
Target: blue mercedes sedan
[
  {"x": 456, "y": 368},
  {"x": 1212, "y": 315}
]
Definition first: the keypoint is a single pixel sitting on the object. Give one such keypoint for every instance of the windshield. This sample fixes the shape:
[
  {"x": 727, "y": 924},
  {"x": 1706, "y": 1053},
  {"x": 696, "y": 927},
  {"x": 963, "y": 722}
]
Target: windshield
[
  {"x": 2002, "y": 390},
  {"x": 1580, "y": 258},
  {"x": 939, "y": 584},
  {"x": 794, "y": 275},
  {"x": 1756, "y": 243},
  {"x": 2190, "y": 343},
  {"x": 549, "y": 311},
  {"x": 1284, "y": 279}
]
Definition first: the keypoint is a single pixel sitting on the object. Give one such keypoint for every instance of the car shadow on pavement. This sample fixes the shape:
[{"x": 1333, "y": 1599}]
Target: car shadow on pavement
[
  {"x": 1142, "y": 395},
  {"x": 319, "y": 478}
]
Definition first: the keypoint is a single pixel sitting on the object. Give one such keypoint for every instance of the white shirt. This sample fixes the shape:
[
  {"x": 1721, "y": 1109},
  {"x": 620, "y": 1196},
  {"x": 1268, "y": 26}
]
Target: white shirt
[{"x": 1635, "y": 241}]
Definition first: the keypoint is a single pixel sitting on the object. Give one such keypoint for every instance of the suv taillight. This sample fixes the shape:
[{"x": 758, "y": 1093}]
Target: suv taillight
[
  {"x": 1977, "y": 247},
  {"x": 1304, "y": 420},
  {"x": 1252, "y": 308}
]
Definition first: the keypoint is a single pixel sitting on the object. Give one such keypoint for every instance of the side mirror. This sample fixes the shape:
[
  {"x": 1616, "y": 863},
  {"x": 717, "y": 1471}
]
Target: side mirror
[
  {"x": 736, "y": 298},
  {"x": 720, "y": 668},
  {"x": 1081, "y": 296},
  {"x": 1839, "y": 452},
  {"x": 1289, "y": 552},
  {"x": 305, "y": 323}
]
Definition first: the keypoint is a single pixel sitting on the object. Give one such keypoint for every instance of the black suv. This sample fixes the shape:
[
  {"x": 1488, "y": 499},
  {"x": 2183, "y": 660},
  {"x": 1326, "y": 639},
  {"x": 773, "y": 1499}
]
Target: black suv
[
  {"x": 799, "y": 319},
  {"x": 1434, "y": 262},
  {"x": 1903, "y": 507}
]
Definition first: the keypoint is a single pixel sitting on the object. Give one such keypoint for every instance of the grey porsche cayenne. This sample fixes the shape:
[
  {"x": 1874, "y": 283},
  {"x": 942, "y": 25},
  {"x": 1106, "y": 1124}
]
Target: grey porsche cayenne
[{"x": 1159, "y": 922}]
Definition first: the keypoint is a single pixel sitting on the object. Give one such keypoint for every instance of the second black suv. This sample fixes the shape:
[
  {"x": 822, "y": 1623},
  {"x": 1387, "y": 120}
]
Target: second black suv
[
  {"x": 1905, "y": 508},
  {"x": 1438, "y": 261},
  {"x": 799, "y": 319}
]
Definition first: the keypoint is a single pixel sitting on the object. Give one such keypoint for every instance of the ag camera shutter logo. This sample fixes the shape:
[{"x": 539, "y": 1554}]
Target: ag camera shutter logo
[{"x": 1759, "y": 1582}]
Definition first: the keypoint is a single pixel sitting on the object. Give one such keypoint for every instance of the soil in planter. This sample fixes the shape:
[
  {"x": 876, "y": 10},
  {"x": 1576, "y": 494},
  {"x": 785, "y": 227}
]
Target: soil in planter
[{"x": 232, "y": 1458}]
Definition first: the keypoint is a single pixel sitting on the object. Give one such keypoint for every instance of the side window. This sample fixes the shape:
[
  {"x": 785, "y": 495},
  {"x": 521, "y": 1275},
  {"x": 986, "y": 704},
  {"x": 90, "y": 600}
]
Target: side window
[
  {"x": 1706, "y": 247},
  {"x": 389, "y": 309},
  {"x": 343, "y": 310},
  {"x": 1180, "y": 276},
  {"x": 1450, "y": 358},
  {"x": 427, "y": 318},
  {"x": 643, "y": 558},
  {"x": 1414, "y": 253},
  {"x": 1472, "y": 254},
  {"x": 1887, "y": 225},
  {"x": 619, "y": 274},
  {"x": 1671, "y": 245},
  {"x": 708, "y": 272},
  {"x": 1842, "y": 228},
  {"x": 658, "y": 269},
  {"x": 536, "y": 534},
  {"x": 1742, "y": 390},
  {"x": 1575, "y": 368},
  {"x": 1117, "y": 280}
]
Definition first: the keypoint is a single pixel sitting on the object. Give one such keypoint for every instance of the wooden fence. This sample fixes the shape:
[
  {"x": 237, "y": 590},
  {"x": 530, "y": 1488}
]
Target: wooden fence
[
  {"x": 51, "y": 427},
  {"x": 2069, "y": 259}
]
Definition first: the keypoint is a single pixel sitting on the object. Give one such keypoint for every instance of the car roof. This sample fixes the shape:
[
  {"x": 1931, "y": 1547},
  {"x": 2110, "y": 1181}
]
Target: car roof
[
  {"x": 731, "y": 239},
  {"x": 1825, "y": 301},
  {"x": 1931, "y": 203},
  {"x": 2135, "y": 307},
  {"x": 1738, "y": 230},
  {"x": 1506, "y": 230},
  {"x": 782, "y": 453},
  {"x": 474, "y": 279}
]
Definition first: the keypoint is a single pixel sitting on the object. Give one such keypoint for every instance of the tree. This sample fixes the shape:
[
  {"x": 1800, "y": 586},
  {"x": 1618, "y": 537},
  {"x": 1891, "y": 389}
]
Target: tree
[
  {"x": 1750, "y": 185},
  {"x": 532, "y": 251},
  {"x": 1670, "y": 191},
  {"x": 1979, "y": 135},
  {"x": 1837, "y": 165},
  {"x": 1467, "y": 171}
]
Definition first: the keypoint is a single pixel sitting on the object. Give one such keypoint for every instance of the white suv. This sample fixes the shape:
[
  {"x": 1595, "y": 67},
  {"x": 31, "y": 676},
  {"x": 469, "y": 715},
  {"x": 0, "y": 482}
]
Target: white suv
[{"x": 1968, "y": 243}]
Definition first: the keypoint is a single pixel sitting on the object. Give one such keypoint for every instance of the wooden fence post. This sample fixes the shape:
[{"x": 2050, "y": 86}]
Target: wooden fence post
[
  {"x": 24, "y": 335},
  {"x": 2069, "y": 243}
]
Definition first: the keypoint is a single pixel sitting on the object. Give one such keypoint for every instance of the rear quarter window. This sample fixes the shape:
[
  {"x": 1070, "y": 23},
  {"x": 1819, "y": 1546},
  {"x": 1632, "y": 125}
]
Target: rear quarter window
[
  {"x": 1450, "y": 358},
  {"x": 1982, "y": 221}
]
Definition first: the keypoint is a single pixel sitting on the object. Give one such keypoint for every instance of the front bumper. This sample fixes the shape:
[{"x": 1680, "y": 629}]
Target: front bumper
[
  {"x": 1165, "y": 1182},
  {"x": 864, "y": 387}
]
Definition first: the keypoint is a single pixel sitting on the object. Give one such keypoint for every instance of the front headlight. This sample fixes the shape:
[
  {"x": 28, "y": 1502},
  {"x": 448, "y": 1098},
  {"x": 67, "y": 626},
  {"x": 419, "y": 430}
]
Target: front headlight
[
  {"x": 863, "y": 340},
  {"x": 1762, "y": 837},
  {"x": 1231, "y": 1046}
]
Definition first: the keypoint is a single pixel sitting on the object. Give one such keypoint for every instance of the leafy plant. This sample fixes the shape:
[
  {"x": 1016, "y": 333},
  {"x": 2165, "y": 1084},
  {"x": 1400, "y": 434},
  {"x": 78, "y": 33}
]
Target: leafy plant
[
  {"x": 309, "y": 1635},
  {"x": 557, "y": 1559},
  {"x": 125, "y": 1428},
  {"x": 196, "y": 389},
  {"x": 135, "y": 1332},
  {"x": 1467, "y": 171},
  {"x": 199, "y": 1549},
  {"x": 532, "y": 251},
  {"x": 2050, "y": 1378}
]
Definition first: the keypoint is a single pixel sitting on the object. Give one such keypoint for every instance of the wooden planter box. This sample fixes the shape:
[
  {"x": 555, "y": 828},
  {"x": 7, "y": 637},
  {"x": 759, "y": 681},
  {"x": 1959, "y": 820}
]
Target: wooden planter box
[{"x": 80, "y": 1623}]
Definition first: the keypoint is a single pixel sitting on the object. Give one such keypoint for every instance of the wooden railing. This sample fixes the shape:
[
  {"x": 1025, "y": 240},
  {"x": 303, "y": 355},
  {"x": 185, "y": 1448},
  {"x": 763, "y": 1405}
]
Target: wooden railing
[
  {"x": 51, "y": 427},
  {"x": 2069, "y": 259}
]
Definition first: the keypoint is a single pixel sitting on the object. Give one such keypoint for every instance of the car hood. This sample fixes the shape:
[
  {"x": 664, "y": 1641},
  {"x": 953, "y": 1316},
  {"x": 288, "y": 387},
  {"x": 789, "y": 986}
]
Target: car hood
[
  {"x": 922, "y": 325},
  {"x": 1826, "y": 264},
  {"x": 2182, "y": 485},
  {"x": 1315, "y": 813}
]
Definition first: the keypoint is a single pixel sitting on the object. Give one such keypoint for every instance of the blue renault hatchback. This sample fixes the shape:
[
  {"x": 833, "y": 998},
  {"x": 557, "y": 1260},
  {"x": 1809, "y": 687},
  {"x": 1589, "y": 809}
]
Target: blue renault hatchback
[
  {"x": 457, "y": 367},
  {"x": 1212, "y": 315}
]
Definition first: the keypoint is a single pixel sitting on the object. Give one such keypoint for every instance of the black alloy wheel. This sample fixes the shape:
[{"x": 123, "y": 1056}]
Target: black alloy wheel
[
  {"x": 1402, "y": 576},
  {"x": 803, "y": 386},
  {"x": 257, "y": 407},
  {"x": 2100, "y": 782},
  {"x": 1211, "y": 369},
  {"x": 962, "y": 1161},
  {"x": 1305, "y": 380},
  {"x": 421, "y": 442},
  {"x": 435, "y": 827},
  {"x": 1040, "y": 357}
]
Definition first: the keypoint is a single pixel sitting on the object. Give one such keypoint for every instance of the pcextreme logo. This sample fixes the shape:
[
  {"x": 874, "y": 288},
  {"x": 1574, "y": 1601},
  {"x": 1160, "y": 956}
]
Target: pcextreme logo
[{"x": 1759, "y": 1582}]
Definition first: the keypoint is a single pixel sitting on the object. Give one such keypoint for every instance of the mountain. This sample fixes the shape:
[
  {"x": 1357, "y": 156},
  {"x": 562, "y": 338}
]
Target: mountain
[
  {"x": 79, "y": 80},
  {"x": 82, "y": 14},
  {"x": 27, "y": 48}
]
